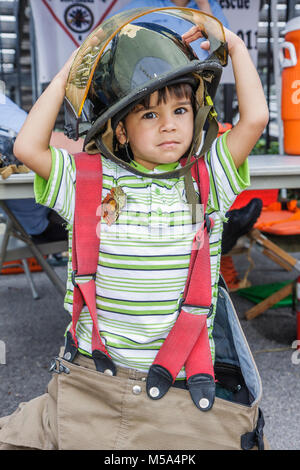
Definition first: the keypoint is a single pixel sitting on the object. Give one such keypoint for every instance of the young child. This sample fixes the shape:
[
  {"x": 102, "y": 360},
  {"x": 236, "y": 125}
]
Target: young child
[{"x": 143, "y": 261}]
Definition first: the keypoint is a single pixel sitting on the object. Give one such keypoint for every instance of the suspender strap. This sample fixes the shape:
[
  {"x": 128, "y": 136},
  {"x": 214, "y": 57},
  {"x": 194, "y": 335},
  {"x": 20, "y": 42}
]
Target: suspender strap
[
  {"x": 199, "y": 371},
  {"x": 187, "y": 343},
  {"x": 85, "y": 252},
  {"x": 199, "y": 275}
]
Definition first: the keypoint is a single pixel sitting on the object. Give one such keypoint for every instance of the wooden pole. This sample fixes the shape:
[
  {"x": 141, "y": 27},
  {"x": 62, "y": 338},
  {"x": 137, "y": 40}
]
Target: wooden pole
[{"x": 270, "y": 301}]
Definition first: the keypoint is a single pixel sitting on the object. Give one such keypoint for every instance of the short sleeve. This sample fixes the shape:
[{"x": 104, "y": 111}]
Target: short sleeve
[
  {"x": 58, "y": 192},
  {"x": 226, "y": 181}
]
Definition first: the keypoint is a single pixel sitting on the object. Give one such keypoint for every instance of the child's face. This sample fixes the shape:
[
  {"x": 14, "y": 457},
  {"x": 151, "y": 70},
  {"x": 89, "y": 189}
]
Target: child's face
[{"x": 161, "y": 133}]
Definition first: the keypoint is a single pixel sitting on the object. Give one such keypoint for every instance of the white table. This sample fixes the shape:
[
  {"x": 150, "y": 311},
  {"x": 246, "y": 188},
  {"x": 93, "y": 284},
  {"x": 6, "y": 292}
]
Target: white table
[
  {"x": 274, "y": 171},
  {"x": 17, "y": 186}
]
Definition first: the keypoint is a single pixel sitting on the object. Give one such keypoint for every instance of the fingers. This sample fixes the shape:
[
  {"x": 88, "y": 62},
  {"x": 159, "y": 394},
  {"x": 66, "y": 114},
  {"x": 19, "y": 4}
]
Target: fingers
[
  {"x": 193, "y": 34},
  {"x": 72, "y": 57},
  {"x": 205, "y": 45},
  {"x": 64, "y": 71}
]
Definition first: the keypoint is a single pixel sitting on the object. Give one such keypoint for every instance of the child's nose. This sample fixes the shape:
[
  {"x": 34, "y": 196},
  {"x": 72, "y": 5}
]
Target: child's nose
[{"x": 167, "y": 124}]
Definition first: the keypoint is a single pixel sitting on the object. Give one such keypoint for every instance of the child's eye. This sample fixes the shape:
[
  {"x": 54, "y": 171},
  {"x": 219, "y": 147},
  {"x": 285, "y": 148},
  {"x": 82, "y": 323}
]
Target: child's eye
[
  {"x": 180, "y": 110},
  {"x": 149, "y": 115}
]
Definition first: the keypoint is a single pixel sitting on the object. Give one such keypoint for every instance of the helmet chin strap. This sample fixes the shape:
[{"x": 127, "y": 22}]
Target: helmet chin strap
[
  {"x": 210, "y": 136},
  {"x": 102, "y": 148},
  {"x": 126, "y": 143}
]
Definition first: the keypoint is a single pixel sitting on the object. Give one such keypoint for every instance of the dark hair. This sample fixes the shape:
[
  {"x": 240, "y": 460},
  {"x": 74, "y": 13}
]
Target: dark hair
[{"x": 180, "y": 90}]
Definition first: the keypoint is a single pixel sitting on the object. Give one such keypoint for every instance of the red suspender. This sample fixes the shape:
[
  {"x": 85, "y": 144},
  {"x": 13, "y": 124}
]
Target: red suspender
[
  {"x": 85, "y": 253},
  {"x": 187, "y": 343}
]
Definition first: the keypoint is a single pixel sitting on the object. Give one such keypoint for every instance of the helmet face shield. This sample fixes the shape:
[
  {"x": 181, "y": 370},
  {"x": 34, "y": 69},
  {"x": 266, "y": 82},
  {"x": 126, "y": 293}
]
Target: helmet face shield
[
  {"x": 126, "y": 58},
  {"x": 128, "y": 65}
]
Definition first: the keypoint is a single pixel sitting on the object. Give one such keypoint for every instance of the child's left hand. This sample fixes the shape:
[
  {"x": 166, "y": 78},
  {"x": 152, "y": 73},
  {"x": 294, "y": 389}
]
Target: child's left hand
[
  {"x": 193, "y": 34},
  {"x": 196, "y": 33}
]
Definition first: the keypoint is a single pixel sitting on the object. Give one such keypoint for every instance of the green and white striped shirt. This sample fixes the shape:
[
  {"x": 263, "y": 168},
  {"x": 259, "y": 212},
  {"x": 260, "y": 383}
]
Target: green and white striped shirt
[{"x": 144, "y": 256}]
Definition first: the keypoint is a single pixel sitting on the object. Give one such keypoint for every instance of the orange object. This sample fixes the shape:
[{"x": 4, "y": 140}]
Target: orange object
[
  {"x": 266, "y": 195},
  {"x": 290, "y": 101},
  {"x": 280, "y": 222},
  {"x": 230, "y": 274},
  {"x": 224, "y": 127},
  {"x": 32, "y": 264}
]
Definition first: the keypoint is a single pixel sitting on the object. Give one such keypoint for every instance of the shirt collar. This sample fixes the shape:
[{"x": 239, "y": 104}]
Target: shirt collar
[{"x": 164, "y": 167}]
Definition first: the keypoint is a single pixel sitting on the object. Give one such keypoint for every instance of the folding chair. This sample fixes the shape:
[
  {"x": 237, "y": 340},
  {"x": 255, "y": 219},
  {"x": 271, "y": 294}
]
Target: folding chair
[
  {"x": 283, "y": 259},
  {"x": 17, "y": 245}
]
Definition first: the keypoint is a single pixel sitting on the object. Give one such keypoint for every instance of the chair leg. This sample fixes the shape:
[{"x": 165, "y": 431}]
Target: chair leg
[
  {"x": 269, "y": 301},
  {"x": 29, "y": 278},
  {"x": 274, "y": 252},
  {"x": 5, "y": 241},
  {"x": 283, "y": 259}
]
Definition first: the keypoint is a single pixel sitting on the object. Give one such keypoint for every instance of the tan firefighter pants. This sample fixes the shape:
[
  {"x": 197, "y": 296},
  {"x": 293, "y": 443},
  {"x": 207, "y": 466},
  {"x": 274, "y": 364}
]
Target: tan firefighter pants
[{"x": 86, "y": 409}]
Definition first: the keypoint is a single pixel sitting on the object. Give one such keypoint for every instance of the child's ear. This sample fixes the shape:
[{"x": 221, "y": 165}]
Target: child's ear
[{"x": 121, "y": 133}]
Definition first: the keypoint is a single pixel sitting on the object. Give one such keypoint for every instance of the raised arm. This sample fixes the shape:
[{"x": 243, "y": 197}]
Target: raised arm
[
  {"x": 32, "y": 143},
  {"x": 253, "y": 109}
]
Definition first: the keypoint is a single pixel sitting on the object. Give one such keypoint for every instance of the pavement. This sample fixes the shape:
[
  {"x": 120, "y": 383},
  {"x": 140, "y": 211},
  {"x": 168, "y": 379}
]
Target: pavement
[{"x": 32, "y": 331}]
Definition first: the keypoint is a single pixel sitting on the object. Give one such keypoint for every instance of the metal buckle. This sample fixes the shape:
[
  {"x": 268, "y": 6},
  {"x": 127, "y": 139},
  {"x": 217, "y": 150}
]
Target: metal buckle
[
  {"x": 57, "y": 367},
  {"x": 74, "y": 273},
  {"x": 207, "y": 223},
  {"x": 181, "y": 304}
]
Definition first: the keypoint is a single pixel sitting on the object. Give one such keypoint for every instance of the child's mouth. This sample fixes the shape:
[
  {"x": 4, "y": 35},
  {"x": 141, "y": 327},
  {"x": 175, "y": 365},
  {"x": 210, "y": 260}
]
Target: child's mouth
[{"x": 168, "y": 144}]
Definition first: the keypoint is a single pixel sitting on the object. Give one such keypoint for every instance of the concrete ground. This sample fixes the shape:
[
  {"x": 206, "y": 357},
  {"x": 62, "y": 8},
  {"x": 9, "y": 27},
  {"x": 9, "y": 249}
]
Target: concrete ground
[{"x": 32, "y": 331}]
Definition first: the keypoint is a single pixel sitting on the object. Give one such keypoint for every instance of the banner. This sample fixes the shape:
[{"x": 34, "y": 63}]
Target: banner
[
  {"x": 61, "y": 26},
  {"x": 242, "y": 16}
]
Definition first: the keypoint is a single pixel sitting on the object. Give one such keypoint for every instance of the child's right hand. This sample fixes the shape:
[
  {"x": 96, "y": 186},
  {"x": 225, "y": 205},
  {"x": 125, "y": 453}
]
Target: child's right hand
[
  {"x": 63, "y": 74},
  {"x": 94, "y": 41}
]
